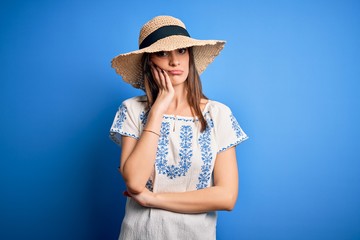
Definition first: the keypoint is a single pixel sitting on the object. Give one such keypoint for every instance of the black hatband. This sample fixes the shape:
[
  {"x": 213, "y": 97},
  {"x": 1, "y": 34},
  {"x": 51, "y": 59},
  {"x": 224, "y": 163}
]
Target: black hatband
[{"x": 163, "y": 32}]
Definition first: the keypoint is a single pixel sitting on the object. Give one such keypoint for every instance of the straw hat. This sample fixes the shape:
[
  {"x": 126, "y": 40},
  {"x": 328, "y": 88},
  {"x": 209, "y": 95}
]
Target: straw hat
[{"x": 164, "y": 33}]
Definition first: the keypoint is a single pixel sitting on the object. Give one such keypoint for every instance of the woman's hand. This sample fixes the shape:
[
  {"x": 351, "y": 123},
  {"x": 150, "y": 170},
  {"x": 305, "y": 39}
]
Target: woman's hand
[
  {"x": 166, "y": 90},
  {"x": 144, "y": 198},
  {"x": 142, "y": 152}
]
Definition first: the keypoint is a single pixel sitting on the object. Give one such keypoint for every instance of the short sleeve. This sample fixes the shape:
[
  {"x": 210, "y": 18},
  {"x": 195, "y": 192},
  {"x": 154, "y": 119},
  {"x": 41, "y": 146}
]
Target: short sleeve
[
  {"x": 126, "y": 122},
  {"x": 227, "y": 129}
]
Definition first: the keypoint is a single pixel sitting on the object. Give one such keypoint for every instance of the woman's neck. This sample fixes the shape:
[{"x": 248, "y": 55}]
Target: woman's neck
[{"x": 180, "y": 105}]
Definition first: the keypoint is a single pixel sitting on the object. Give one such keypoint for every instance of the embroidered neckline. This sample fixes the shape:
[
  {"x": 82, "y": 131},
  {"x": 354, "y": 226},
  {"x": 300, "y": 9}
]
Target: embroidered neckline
[{"x": 187, "y": 118}]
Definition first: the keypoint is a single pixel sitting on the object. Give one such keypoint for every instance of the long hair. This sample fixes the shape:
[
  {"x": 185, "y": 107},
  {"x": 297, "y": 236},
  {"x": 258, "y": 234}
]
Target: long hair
[{"x": 193, "y": 87}]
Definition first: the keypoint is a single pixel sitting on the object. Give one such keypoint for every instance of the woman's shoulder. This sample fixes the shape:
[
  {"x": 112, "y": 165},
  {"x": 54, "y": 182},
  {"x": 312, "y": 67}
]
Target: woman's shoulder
[
  {"x": 138, "y": 102},
  {"x": 214, "y": 106}
]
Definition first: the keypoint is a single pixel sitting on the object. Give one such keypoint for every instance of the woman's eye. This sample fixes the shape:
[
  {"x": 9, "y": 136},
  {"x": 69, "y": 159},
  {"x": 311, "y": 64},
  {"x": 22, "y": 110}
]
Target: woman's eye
[
  {"x": 182, "y": 50},
  {"x": 161, "y": 54}
]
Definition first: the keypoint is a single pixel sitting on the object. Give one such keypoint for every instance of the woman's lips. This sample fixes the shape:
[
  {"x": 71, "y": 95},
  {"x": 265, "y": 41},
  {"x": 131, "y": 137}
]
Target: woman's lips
[{"x": 175, "y": 72}]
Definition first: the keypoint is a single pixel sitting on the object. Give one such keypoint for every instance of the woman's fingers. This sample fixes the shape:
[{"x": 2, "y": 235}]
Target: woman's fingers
[
  {"x": 168, "y": 84},
  {"x": 161, "y": 77},
  {"x": 166, "y": 90},
  {"x": 156, "y": 75}
]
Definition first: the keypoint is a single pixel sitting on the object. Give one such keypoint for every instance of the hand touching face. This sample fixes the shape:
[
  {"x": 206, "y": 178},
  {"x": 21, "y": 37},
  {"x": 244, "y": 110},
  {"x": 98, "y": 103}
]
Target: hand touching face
[{"x": 174, "y": 63}]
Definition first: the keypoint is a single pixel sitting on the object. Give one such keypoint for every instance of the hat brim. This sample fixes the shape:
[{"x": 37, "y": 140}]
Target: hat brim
[{"x": 128, "y": 65}]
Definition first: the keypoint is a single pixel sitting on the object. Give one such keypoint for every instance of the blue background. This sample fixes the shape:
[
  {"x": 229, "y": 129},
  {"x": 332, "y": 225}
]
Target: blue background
[{"x": 290, "y": 72}]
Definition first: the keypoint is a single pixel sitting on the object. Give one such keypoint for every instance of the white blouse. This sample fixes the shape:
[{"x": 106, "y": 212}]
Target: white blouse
[{"x": 185, "y": 161}]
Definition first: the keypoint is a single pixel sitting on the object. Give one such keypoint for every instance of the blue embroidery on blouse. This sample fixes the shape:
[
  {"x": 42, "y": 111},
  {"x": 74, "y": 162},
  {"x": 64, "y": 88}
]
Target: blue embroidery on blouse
[
  {"x": 162, "y": 149},
  {"x": 185, "y": 149},
  {"x": 121, "y": 117},
  {"x": 185, "y": 153},
  {"x": 143, "y": 118},
  {"x": 240, "y": 135},
  {"x": 117, "y": 129},
  {"x": 236, "y": 126},
  {"x": 180, "y": 118},
  {"x": 149, "y": 185},
  {"x": 206, "y": 156},
  {"x": 244, "y": 137}
]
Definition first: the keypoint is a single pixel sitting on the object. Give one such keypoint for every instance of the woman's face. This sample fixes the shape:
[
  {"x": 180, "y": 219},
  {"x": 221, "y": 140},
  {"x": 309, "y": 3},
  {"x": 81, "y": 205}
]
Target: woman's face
[{"x": 175, "y": 63}]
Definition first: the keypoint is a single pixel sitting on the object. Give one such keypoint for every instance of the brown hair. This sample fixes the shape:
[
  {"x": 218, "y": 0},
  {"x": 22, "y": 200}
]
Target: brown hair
[{"x": 193, "y": 85}]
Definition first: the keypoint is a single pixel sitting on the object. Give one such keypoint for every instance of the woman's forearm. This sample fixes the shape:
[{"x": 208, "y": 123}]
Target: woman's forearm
[
  {"x": 221, "y": 196},
  {"x": 138, "y": 165},
  {"x": 138, "y": 159},
  {"x": 203, "y": 200}
]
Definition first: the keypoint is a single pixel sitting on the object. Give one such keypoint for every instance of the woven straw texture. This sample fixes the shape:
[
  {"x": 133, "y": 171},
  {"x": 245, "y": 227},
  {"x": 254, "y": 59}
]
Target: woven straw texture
[{"x": 128, "y": 65}]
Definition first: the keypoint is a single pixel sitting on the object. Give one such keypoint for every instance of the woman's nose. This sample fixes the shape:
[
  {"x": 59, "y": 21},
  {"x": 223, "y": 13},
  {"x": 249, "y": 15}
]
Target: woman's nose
[{"x": 174, "y": 60}]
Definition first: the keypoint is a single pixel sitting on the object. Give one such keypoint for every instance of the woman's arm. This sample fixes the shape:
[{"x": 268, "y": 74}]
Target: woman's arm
[
  {"x": 138, "y": 157},
  {"x": 221, "y": 196}
]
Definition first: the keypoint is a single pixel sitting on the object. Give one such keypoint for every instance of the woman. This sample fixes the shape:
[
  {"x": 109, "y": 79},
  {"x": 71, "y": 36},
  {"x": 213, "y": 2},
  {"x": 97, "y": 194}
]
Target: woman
[{"x": 178, "y": 158}]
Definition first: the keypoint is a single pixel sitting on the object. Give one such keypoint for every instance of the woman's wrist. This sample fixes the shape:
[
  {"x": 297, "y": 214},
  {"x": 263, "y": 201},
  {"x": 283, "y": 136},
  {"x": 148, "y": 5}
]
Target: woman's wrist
[
  {"x": 151, "y": 131},
  {"x": 155, "y": 112},
  {"x": 154, "y": 201},
  {"x": 154, "y": 121}
]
